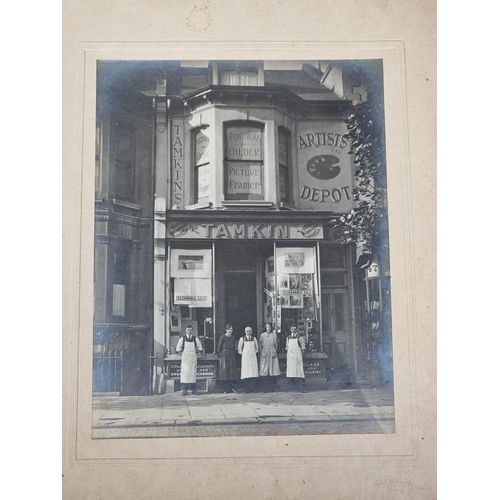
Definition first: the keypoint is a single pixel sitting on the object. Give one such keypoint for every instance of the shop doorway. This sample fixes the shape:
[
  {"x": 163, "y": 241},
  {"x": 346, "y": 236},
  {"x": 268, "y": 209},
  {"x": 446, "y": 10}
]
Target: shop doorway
[
  {"x": 241, "y": 304},
  {"x": 336, "y": 328}
]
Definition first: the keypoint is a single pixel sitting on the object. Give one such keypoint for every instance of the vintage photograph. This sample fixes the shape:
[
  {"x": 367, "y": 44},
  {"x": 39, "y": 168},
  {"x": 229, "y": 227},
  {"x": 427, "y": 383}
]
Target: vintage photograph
[{"x": 217, "y": 184}]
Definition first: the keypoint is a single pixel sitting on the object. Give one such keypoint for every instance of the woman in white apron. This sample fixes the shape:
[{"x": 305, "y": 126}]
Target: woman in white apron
[
  {"x": 189, "y": 346},
  {"x": 248, "y": 347},
  {"x": 295, "y": 349},
  {"x": 269, "y": 365}
]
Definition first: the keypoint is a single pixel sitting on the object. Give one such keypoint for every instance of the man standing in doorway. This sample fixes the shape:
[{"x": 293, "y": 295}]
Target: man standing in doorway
[
  {"x": 295, "y": 351},
  {"x": 190, "y": 346},
  {"x": 248, "y": 347}
]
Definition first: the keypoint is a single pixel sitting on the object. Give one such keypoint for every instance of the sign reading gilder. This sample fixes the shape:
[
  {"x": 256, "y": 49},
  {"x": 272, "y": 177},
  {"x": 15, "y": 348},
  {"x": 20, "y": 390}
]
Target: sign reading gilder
[
  {"x": 325, "y": 172},
  {"x": 244, "y": 161}
]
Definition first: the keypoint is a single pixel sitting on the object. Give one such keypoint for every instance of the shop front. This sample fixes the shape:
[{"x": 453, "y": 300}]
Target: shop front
[{"x": 248, "y": 269}]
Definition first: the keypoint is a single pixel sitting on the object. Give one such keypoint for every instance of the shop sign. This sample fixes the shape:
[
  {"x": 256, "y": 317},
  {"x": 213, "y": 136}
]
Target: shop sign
[
  {"x": 244, "y": 178},
  {"x": 195, "y": 292},
  {"x": 203, "y": 370},
  {"x": 177, "y": 151},
  {"x": 245, "y": 231},
  {"x": 325, "y": 171},
  {"x": 243, "y": 143}
]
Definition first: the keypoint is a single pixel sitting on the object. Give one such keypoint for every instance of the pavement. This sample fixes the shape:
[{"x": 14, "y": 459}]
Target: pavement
[{"x": 342, "y": 411}]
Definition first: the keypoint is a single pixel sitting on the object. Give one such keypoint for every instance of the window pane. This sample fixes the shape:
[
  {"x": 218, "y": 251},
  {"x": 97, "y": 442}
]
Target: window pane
[
  {"x": 283, "y": 148},
  {"x": 244, "y": 168},
  {"x": 244, "y": 143},
  {"x": 244, "y": 179},
  {"x": 333, "y": 279},
  {"x": 202, "y": 147},
  {"x": 202, "y": 165},
  {"x": 283, "y": 183},
  {"x": 333, "y": 258},
  {"x": 338, "y": 304},
  {"x": 202, "y": 182}
]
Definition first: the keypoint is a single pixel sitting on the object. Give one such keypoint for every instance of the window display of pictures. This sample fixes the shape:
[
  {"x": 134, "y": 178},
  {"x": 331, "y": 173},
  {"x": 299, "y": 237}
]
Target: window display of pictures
[
  {"x": 285, "y": 301},
  {"x": 283, "y": 282},
  {"x": 270, "y": 284},
  {"x": 193, "y": 292},
  {"x": 269, "y": 271},
  {"x": 294, "y": 280},
  {"x": 175, "y": 325},
  {"x": 296, "y": 301},
  {"x": 295, "y": 260},
  {"x": 191, "y": 263},
  {"x": 306, "y": 284},
  {"x": 308, "y": 308}
]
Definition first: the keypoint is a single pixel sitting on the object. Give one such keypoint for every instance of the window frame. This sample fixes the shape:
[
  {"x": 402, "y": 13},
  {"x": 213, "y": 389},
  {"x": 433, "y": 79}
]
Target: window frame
[{"x": 261, "y": 162}]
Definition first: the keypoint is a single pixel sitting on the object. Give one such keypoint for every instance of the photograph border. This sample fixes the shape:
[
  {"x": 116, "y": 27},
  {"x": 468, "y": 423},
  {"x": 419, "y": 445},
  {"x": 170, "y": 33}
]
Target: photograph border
[{"x": 391, "y": 451}]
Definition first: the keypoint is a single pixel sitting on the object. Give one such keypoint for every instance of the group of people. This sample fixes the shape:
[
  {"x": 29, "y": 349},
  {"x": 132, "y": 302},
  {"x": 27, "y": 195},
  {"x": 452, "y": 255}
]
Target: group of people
[{"x": 267, "y": 367}]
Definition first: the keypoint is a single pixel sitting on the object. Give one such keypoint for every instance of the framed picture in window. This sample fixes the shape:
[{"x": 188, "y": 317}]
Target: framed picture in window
[
  {"x": 191, "y": 263},
  {"x": 175, "y": 324}
]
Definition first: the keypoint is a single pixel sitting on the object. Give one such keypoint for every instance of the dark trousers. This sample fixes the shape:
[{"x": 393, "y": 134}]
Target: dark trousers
[
  {"x": 227, "y": 385},
  {"x": 187, "y": 387},
  {"x": 250, "y": 384},
  {"x": 298, "y": 383},
  {"x": 269, "y": 383}
]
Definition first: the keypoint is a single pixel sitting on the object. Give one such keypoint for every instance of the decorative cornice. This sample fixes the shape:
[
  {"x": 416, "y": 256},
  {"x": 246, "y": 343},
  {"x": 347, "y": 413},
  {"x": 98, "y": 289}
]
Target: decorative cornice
[
  {"x": 122, "y": 219},
  {"x": 126, "y": 204}
]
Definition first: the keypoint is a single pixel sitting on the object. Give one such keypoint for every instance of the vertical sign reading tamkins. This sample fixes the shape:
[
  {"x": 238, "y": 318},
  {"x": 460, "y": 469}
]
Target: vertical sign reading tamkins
[{"x": 177, "y": 162}]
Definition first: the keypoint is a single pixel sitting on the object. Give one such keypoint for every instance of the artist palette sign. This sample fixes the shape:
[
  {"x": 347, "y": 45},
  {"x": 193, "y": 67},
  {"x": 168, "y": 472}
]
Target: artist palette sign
[{"x": 325, "y": 171}]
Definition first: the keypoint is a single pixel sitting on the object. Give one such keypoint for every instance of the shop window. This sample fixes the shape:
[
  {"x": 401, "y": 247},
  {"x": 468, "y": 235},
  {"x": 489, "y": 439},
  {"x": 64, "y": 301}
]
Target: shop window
[
  {"x": 244, "y": 162},
  {"x": 201, "y": 165},
  {"x": 284, "y": 166},
  {"x": 124, "y": 161}
]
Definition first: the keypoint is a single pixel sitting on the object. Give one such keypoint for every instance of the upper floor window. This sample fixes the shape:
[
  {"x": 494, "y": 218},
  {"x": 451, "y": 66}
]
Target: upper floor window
[
  {"x": 244, "y": 162},
  {"x": 240, "y": 73},
  {"x": 201, "y": 165},
  {"x": 284, "y": 166},
  {"x": 124, "y": 161}
]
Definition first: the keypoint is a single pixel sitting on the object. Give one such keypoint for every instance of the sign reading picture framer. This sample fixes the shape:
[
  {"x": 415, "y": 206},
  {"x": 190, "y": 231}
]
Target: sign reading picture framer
[
  {"x": 325, "y": 171},
  {"x": 244, "y": 178},
  {"x": 190, "y": 263},
  {"x": 244, "y": 162}
]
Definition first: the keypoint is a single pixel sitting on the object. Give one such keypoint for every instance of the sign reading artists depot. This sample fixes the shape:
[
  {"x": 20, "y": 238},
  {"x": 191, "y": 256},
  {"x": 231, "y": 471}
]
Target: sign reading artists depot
[{"x": 325, "y": 172}]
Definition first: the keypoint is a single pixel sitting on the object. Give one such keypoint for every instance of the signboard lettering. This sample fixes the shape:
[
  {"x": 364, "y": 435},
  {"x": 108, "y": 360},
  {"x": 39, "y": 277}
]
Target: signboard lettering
[
  {"x": 325, "y": 172},
  {"x": 178, "y": 163},
  {"x": 244, "y": 231}
]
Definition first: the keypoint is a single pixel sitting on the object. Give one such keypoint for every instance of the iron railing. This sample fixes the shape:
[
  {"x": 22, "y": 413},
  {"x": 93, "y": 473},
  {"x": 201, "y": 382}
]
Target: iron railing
[{"x": 107, "y": 373}]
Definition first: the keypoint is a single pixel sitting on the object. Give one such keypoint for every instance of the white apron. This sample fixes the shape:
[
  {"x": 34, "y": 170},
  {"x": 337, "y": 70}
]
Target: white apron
[
  {"x": 294, "y": 362},
  {"x": 189, "y": 362},
  {"x": 249, "y": 367}
]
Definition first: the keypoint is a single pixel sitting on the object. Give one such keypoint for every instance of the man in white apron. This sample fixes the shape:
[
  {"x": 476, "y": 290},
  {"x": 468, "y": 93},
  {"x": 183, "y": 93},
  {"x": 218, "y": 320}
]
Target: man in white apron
[
  {"x": 295, "y": 350},
  {"x": 248, "y": 347},
  {"x": 189, "y": 346}
]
